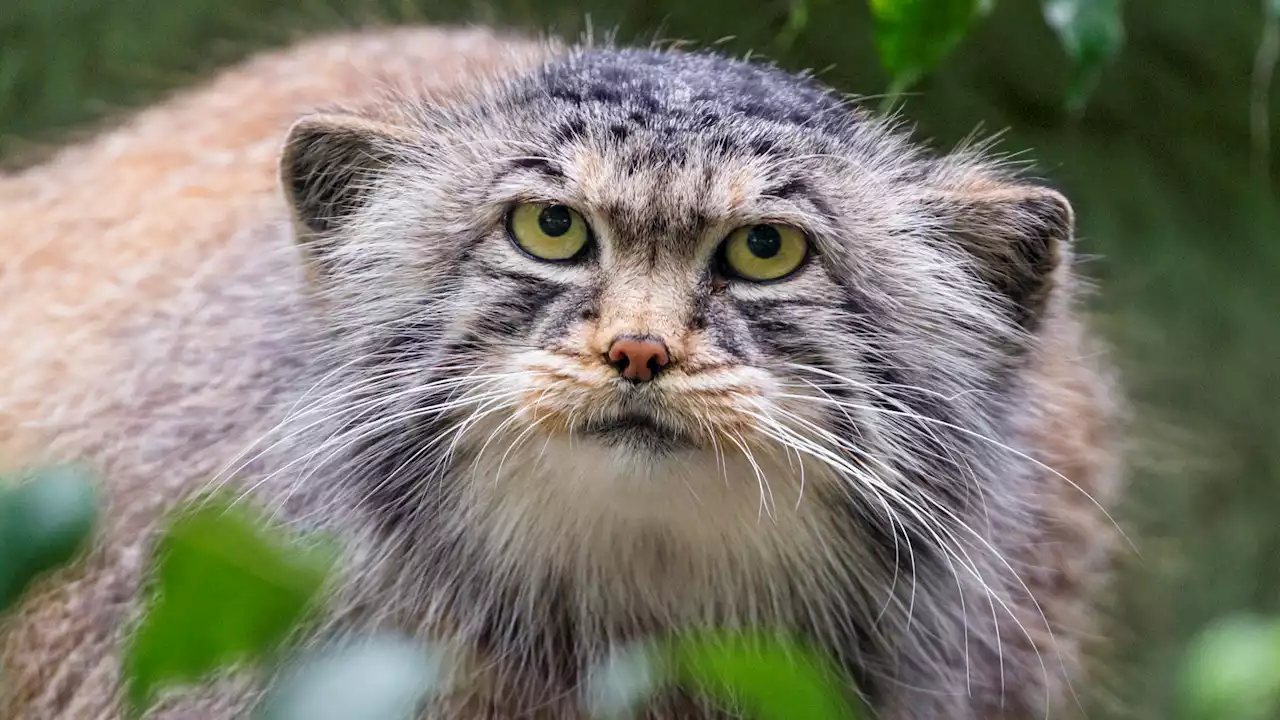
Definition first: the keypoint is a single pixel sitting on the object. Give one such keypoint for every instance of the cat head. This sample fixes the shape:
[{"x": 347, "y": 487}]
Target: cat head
[{"x": 648, "y": 259}]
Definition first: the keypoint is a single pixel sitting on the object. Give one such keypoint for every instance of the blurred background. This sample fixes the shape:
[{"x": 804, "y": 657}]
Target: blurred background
[{"x": 1178, "y": 205}]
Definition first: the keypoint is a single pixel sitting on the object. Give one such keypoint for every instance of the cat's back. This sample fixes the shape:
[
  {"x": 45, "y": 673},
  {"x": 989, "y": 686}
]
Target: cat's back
[
  {"x": 133, "y": 220},
  {"x": 147, "y": 282}
]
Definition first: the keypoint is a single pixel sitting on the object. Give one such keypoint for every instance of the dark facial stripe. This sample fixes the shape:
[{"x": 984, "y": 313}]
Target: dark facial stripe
[
  {"x": 788, "y": 190},
  {"x": 571, "y": 306},
  {"x": 724, "y": 327},
  {"x": 513, "y": 308},
  {"x": 782, "y": 339},
  {"x": 544, "y": 167}
]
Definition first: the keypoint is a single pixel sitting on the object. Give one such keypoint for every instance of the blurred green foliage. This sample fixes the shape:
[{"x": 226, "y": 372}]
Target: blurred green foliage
[
  {"x": 755, "y": 674},
  {"x": 226, "y": 590},
  {"x": 1092, "y": 32},
  {"x": 1170, "y": 168},
  {"x": 760, "y": 676},
  {"x": 913, "y": 36},
  {"x": 46, "y": 520},
  {"x": 1232, "y": 671},
  {"x": 229, "y": 589}
]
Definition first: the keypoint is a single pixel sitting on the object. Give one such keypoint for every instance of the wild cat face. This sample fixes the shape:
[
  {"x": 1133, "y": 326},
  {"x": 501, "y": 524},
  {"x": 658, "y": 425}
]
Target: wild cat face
[
  {"x": 635, "y": 264},
  {"x": 646, "y": 295},
  {"x": 647, "y": 347}
]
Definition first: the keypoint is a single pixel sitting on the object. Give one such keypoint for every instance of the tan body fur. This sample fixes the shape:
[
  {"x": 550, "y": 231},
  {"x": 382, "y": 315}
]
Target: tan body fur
[
  {"x": 147, "y": 286},
  {"x": 153, "y": 220}
]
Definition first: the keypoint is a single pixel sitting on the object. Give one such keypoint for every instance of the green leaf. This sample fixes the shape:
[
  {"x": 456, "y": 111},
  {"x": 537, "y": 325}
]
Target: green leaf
[
  {"x": 766, "y": 677},
  {"x": 44, "y": 523},
  {"x": 381, "y": 678},
  {"x": 763, "y": 677},
  {"x": 228, "y": 590},
  {"x": 913, "y": 36},
  {"x": 1233, "y": 671},
  {"x": 1092, "y": 33}
]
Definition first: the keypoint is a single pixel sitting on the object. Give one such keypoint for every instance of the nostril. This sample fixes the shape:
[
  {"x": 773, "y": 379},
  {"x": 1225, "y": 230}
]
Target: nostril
[
  {"x": 618, "y": 355},
  {"x": 638, "y": 359},
  {"x": 655, "y": 366}
]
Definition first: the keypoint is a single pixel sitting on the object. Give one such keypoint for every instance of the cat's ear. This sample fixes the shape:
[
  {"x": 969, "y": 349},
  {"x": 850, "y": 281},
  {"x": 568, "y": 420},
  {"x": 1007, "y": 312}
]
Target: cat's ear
[
  {"x": 329, "y": 164},
  {"x": 1018, "y": 236}
]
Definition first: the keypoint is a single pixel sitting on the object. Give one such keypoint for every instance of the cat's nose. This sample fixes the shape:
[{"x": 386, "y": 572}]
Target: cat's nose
[{"x": 638, "y": 359}]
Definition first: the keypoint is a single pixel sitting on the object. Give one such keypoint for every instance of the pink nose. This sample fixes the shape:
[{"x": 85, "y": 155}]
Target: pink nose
[{"x": 638, "y": 359}]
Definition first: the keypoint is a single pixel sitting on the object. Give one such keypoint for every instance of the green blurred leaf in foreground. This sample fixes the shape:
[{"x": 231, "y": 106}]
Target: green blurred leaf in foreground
[
  {"x": 1092, "y": 32},
  {"x": 226, "y": 590},
  {"x": 913, "y": 36},
  {"x": 763, "y": 677},
  {"x": 381, "y": 678},
  {"x": 45, "y": 521},
  {"x": 768, "y": 677},
  {"x": 1233, "y": 671}
]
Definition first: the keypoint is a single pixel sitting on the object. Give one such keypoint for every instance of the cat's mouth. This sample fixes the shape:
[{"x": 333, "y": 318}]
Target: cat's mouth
[
  {"x": 640, "y": 430},
  {"x": 677, "y": 412}
]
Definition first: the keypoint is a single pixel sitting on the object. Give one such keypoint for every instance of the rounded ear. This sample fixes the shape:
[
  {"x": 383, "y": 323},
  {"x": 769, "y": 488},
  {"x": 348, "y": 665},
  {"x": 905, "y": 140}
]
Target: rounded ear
[
  {"x": 1018, "y": 234},
  {"x": 329, "y": 163}
]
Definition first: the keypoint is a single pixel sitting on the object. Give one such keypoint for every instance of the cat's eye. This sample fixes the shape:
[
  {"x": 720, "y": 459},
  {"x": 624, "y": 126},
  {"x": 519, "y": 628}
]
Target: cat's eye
[
  {"x": 555, "y": 233},
  {"x": 765, "y": 252}
]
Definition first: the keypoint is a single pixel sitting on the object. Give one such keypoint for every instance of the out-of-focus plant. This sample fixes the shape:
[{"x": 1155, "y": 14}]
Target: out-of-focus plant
[
  {"x": 227, "y": 589},
  {"x": 1232, "y": 670},
  {"x": 46, "y": 520},
  {"x": 1092, "y": 32},
  {"x": 761, "y": 676},
  {"x": 913, "y": 36}
]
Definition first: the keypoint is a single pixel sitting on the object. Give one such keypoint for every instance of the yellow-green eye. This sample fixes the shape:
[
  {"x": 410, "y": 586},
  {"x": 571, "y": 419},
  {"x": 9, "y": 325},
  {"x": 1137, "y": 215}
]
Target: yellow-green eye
[
  {"x": 765, "y": 252},
  {"x": 549, "y": 232}
]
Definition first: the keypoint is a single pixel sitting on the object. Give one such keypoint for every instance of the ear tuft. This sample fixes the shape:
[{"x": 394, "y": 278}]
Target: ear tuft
[
  {"x": 328, "y": 164},
  {"x": 1018, "y": 235}
]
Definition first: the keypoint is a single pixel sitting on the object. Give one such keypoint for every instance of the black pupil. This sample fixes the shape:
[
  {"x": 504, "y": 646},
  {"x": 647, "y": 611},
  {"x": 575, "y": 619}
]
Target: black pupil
[
  {"x": 555, "y": 220},
  {"x": 764, "y": 241}
]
